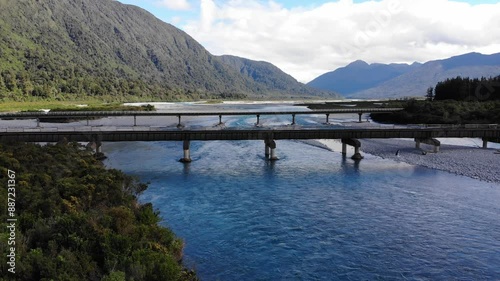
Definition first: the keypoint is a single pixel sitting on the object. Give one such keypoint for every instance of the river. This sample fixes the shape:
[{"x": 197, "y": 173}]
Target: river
[{"x": 314, "y": 215}]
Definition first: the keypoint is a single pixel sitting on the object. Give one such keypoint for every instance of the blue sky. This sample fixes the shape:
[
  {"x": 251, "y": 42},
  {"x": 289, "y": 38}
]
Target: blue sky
[
  {"x": 179, "y": 16},
  {"x": 308, "y": 38}
]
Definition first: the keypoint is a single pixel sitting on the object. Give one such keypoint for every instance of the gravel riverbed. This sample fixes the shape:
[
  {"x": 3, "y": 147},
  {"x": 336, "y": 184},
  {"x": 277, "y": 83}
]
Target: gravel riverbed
[{"x": 474, "y": 162}]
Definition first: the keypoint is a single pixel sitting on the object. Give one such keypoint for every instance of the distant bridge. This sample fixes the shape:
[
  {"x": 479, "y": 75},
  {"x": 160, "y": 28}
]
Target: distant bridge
[
  {"x": 93, "y": 114},
  {"x": 269, "y": 135}
]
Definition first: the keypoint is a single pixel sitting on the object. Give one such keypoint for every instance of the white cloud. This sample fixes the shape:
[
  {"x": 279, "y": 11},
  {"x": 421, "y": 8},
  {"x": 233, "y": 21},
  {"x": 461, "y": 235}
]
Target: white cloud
[
  {"x": 308, "y": 41},
  {"x": 178, "y": 5}
]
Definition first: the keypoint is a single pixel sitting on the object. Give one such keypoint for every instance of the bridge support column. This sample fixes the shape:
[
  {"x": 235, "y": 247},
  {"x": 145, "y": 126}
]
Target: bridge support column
[
  {"x": 485, "y": 143},
  {"x": 356, "y": 144},
  {"x": 98, "y": 147},
  {"x": 360, "y": 114},
  {"x": 327, "y": 118},
  {"x": 95, "y": 145},
  {"x": 179, "y": 125},
  {"x": 293, "y": 119},
  {"x": 135, "y": 120},
  {"x": 267, "y": 150},
  {"x": 433, "y": 142},
  {"x": 258, "y": 120},
  {"x": 187, "y": 156},
  {"x": 220, "y": 120},
  {"x": 271, "y": 150}
]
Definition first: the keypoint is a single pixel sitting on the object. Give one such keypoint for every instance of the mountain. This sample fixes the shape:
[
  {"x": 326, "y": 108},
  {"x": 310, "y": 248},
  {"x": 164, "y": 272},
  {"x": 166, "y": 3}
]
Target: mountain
[
  {"x": 417, "y": 78},
  {"x": 268, "y": 74},
  {"x": 358, "y": 76},
  {"x": 72, "y": 49},
  {"x": 416, "y": 82}
]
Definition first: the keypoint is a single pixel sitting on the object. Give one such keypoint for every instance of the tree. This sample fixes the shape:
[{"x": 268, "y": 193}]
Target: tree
[{"x": 430, "y": 94}]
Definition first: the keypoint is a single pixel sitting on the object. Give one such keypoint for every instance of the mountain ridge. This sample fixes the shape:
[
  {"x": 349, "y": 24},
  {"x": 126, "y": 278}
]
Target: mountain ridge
[
  {"x": 269, "y": 74},
  {"x": 68, "y": 49},
  {"x": 357, "y": 76},
  {"x": 418, "y": 78}
]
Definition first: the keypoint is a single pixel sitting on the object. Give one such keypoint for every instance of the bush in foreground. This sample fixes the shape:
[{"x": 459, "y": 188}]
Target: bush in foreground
[{"x": 77, "y": 220}]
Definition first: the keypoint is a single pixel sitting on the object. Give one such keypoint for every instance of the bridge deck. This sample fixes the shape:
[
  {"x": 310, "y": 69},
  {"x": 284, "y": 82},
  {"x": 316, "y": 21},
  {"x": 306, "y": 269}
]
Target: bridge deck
[{"x": 146, "y": 134}]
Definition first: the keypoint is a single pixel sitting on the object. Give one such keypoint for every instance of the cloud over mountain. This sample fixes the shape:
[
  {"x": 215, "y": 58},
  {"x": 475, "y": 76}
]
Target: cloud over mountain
[{"x": 310, "y": 40}]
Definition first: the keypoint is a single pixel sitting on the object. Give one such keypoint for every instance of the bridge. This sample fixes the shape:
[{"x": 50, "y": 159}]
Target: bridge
[
  {"x": 95, "y": 114},
  {"x": 348, "y": 135}
]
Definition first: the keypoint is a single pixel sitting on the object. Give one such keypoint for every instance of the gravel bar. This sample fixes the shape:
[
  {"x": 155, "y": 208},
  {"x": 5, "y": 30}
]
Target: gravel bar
[{"x": 477, "y": 163}]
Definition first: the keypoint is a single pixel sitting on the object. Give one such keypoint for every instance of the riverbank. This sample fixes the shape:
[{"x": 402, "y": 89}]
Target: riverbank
[
  {"x": 462, "y": 160},
  {"x": 77, "y": 219}
]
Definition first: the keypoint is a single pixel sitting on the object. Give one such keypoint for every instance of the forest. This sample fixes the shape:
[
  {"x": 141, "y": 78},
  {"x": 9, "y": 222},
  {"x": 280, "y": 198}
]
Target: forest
[
  {"x": 467, "y": 89},
  {"x": 453, "y": 101},
  {"x": 77, "y": 220}
]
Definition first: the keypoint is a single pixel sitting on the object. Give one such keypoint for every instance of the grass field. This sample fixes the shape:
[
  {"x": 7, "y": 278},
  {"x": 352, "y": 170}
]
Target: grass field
[{"x": 63, "y": 105}]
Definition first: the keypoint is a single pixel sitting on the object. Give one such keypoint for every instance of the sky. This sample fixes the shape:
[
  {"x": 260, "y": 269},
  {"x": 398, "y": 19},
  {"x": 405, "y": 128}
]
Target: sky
[{"x": 308, "y": 38}]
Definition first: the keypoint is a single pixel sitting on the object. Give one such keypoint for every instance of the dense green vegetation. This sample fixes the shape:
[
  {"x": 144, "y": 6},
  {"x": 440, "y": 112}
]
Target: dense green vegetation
[
  {"x": 104, "y": 50},
  {"x": 80, "y": 221},
  {"x": 467, "y": 89},
  {"x": 443, "y": 112},
  {"x": 454, "y": 101}
]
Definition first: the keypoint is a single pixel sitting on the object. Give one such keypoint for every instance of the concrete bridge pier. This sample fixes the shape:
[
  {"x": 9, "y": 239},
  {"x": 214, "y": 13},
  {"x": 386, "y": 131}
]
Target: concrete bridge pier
[
  {"x": 270, "y": 150},
  {"x": 179, "y": 125},
  {"x": 187, "y": 156},
  {"x": 485, "y": 143},
  {"x": 258, "y": 121},
  {"x": 267, "y": 150},
  {"x": 293, "y": 119},
  {"x": 96, "y": 146},
  {"x": 356, "y": 144},
  {"x": 360, "y": 115},
  {"x": 434, "y": 142},
  {"x": 327, "y": 119}
]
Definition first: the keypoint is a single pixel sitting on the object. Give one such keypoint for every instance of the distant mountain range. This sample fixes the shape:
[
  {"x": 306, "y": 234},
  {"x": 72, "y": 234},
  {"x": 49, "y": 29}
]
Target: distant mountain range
[
  {"x": 66, "y": 49},
  {"x": 362, "y": 80}
]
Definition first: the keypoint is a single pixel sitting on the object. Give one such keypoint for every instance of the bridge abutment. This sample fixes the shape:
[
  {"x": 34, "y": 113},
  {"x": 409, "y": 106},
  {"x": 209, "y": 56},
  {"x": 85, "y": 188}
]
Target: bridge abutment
[{"x": 187, "y": 153}]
